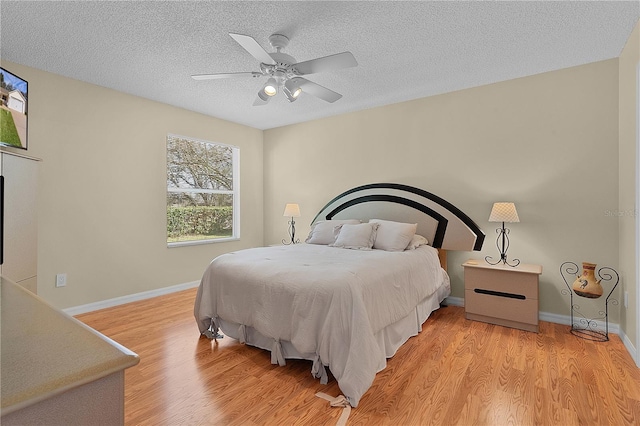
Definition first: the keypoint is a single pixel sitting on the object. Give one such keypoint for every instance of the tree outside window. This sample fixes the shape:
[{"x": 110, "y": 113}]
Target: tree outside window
[{"x": 202, "y": 191}]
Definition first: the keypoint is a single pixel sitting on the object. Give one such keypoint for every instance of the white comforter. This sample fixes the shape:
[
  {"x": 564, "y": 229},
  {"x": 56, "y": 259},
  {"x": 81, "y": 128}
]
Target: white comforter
[{"x": 326, "y": 301}]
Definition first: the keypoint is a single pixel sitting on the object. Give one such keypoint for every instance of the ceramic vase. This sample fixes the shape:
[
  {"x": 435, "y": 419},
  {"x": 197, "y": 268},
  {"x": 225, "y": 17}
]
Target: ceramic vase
[{"x": 586, "y": 284}]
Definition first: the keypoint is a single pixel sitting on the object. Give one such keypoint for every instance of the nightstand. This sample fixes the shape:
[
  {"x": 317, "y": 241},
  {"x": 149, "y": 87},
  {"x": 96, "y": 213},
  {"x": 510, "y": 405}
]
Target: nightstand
[{"x": 502, "y": 295}]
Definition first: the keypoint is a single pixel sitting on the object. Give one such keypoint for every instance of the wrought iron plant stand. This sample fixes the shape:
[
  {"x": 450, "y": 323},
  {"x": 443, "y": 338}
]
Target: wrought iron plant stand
[{"x": 583, "y": 326}]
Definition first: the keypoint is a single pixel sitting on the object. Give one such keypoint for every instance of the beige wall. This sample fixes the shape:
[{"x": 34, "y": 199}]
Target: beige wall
[
  {"x": 548, "y": 142},
  {"x": 102, "y": 189},
  {"x": 628, "y": 92}
]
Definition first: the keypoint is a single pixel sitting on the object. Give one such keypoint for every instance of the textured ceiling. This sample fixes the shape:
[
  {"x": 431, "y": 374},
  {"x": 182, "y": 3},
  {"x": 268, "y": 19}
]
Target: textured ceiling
[{"x": 405, "y": 50}]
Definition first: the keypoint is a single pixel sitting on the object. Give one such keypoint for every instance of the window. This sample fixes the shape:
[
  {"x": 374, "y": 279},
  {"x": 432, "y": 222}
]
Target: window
[{"x": 202, "y": 191}]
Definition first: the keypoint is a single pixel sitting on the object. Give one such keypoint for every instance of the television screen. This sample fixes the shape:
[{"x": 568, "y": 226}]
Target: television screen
[{"x": 13, "y": 110}]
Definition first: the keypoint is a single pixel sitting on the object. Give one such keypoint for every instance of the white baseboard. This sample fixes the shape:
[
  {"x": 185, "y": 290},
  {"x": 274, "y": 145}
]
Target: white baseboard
[
  {"x": 454, "y": 301},
  {"x": 630, "y": 348},
  {"x": 83, "y": 309}
]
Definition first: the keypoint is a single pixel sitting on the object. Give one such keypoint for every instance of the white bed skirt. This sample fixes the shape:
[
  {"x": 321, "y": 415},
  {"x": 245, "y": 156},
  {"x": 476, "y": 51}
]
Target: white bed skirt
[{"x": 389, "y": 339}]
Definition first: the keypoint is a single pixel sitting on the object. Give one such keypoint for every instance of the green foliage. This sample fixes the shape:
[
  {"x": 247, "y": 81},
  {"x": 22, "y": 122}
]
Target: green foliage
[
  {"x": 8, "y": 131},
  {"x": 198, "y": 222}
]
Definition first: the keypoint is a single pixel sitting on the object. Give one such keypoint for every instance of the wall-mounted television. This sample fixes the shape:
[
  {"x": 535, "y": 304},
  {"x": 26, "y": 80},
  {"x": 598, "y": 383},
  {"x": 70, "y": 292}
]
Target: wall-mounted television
[{"x": 13, "y": 110}]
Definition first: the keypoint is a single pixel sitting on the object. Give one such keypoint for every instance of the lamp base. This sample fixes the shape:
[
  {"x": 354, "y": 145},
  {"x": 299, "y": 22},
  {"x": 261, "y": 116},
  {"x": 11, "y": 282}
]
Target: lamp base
[
  {"x": 292, "y": 234},
  {"x": 503, "y": 259},
  {"x": 503, "y": 236}
]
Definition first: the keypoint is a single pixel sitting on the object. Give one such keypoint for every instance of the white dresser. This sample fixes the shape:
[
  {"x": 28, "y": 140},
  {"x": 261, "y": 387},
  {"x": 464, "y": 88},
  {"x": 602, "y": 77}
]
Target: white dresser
[{"x": 19, "y": 227}]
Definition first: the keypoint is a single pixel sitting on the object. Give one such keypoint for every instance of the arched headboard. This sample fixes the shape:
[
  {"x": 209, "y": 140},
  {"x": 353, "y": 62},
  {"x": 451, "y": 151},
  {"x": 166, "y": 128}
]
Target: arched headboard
[{"x": 442, "y": 223}]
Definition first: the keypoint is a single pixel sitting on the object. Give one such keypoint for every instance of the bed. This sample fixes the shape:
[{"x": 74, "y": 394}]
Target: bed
[{"x": 367, "y": 278}]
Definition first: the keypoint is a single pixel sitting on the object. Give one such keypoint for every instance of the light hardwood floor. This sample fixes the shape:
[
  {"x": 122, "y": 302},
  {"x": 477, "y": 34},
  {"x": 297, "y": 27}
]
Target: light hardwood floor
[{"x": 456, "y": 372}]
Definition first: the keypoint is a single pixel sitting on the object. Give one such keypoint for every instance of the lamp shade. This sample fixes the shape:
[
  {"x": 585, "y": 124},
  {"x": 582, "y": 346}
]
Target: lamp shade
[
  {"x": 504, "y": 212},
  {"x": 292, "y": 210}
]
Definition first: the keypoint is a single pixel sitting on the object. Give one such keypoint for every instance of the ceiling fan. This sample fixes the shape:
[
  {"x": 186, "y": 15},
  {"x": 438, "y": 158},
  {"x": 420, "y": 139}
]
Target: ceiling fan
[{"x": 283, "y": 72}]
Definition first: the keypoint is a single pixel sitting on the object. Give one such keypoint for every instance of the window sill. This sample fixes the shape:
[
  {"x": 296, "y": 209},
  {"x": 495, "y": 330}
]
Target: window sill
[{"x": 201, "y": 242}]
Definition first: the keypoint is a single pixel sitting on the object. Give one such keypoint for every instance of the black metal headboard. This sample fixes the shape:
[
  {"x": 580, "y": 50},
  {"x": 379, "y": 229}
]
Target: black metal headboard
[{"x": 442, "y": 223}]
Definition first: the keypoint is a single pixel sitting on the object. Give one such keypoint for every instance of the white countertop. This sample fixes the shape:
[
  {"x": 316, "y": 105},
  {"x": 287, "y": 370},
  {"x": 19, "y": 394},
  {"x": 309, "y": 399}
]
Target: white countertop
[{"x": 45, "y": 352}]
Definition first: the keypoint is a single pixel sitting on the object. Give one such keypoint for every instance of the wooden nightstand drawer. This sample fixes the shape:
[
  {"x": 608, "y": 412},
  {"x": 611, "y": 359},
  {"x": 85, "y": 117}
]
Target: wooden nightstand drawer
[
  {"x": 517, "y": 283},
  {"x": 491, "y": 305},
  {"x": 502, "y": 295}
]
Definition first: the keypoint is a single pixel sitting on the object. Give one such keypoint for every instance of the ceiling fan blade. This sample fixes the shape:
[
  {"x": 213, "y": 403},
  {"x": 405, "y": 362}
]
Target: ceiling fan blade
[
  {"x": 316, "y": 90},
  {"x": 251, "y": 45},
  {"x": 326, "y": 63},
  {"x": 225, "y": 75}
]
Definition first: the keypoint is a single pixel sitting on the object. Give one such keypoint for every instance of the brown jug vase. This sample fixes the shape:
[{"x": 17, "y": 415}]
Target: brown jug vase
[{"x": 586, "y": 284}]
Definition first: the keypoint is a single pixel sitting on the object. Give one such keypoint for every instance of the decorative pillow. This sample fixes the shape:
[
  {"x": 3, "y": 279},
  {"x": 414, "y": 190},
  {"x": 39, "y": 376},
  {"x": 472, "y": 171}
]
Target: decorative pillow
[
  {"x": 322, "y": 231},
  {"x": 393, "y": 236},
  {"x": 417, "y": 241},
  {"x": 355, "y": 237}
]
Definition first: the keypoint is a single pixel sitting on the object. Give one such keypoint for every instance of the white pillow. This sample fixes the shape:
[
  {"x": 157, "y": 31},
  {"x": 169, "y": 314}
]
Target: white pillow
[
  {"x": 322, "y": 231},
  {"x": 356, "y": 237},
  {"x": 417, "y": 241},
  {"x": 393, "y": 236}
]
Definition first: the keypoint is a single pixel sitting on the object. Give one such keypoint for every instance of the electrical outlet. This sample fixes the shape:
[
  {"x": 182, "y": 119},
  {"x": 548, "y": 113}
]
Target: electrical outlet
[
  {"x": 626, "y": 299},
  {"x": 61, "y": 280}
]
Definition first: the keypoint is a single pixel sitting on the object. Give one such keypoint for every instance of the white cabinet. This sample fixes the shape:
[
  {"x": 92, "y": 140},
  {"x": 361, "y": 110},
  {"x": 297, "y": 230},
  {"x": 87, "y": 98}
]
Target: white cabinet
[{"x": 19, "y": 227}]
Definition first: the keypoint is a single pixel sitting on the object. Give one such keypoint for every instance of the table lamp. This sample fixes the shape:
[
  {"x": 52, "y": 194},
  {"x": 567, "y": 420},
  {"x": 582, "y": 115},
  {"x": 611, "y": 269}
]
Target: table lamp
[
  {"x": 291, "y": 210},
  {"x": 503, "y": 212}
]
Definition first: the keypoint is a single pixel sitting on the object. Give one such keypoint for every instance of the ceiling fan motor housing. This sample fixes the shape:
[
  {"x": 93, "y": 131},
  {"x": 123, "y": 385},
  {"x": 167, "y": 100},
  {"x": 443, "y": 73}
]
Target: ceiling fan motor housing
[{"x": 282, "y": 70}]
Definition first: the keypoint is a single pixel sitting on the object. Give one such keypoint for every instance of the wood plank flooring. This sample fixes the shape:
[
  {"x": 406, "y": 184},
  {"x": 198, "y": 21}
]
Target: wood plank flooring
[{"x": 456, "y": 372}]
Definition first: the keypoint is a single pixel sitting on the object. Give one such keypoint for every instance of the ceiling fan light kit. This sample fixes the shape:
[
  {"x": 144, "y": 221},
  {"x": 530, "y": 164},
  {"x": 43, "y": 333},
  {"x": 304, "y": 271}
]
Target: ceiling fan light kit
[
  {"x": 292, "y": 89},
  {"x": 262, "y": 97},
  {"x": 284, "y": 72},
  {"x": 271, "y": 87}
]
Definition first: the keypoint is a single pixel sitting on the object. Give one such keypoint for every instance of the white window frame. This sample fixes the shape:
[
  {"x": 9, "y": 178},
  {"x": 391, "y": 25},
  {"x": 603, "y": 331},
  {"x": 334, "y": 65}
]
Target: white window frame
[{"x": 235, "y": 194}]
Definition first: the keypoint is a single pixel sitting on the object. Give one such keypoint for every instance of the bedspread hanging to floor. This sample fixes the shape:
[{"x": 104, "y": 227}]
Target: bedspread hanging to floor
[{"x": 329, "y": 303}]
